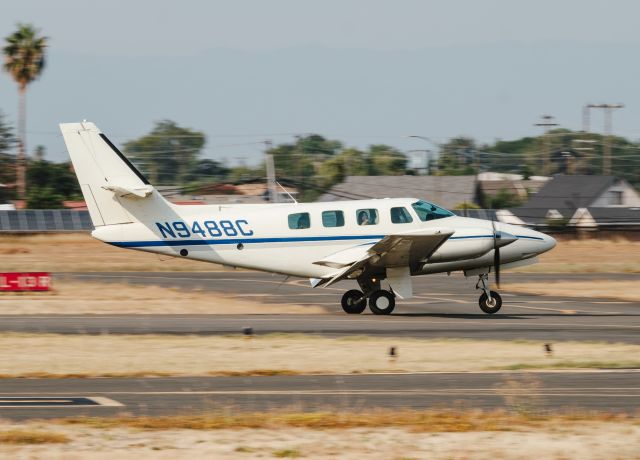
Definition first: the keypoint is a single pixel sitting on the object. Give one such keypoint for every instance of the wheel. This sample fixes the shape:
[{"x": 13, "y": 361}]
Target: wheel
[
  {"x": 354, "y": 302},
  {"x": 382, "y": 302},
  {"x": 490, "y": 307}
]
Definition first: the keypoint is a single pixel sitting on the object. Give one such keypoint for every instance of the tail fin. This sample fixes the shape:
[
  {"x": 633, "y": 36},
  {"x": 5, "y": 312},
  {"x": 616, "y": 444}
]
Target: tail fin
[{"x": 107, "y": 179}]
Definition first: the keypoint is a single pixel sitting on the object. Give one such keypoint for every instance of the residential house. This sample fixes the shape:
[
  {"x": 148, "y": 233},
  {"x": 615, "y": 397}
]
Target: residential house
[{"x": 558, "y": 201}]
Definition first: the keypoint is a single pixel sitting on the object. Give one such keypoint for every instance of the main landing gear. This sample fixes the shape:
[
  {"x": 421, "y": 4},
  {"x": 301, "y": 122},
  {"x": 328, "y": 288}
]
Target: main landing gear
[
  {"x": 381, "y": 301},
  {"x": 490, "y": 301}
]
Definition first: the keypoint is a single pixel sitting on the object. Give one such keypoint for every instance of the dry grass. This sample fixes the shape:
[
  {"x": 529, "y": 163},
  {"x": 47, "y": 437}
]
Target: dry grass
[
  {"x": 282, "y": 354},
  {"x": 32, "y": 437},
  {"x": 426, "y": 421},
  {"x": 74, "y": 297},
  {"x": 78, "y": 252},
  {"x": 379, "y": 435},
  {"x": 622, "y": 290},
  {"x": 589, "y": 256}
]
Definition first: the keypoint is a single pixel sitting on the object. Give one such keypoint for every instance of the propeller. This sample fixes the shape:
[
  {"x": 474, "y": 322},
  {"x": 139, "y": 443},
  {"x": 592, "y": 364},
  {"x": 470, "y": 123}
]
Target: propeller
[
  {"x": 496, "y": 252},
  {"x": 500, "y": 239}
]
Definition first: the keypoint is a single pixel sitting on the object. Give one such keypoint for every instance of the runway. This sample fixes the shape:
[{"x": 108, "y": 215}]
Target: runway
[
  {"x": 611, "y": 391},
  {"x": 443, "y": 307}
]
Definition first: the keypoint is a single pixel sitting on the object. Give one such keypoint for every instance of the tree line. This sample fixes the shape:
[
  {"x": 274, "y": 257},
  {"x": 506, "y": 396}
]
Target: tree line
[{"x": 172, "y": 155}]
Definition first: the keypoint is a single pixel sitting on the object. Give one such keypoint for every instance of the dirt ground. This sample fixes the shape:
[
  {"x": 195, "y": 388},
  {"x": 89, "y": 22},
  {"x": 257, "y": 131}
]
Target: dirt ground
[
  {"x": 140, "y": 355},
  {"x": 581, "y": 440},
  {"x": 79, "y": 252},
  {"x": 70, "y": 297},
  {"x": 591, "y": 256}
]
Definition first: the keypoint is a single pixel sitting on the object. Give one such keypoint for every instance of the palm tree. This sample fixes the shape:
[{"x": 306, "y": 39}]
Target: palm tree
[{"x": 24, "y": 60}]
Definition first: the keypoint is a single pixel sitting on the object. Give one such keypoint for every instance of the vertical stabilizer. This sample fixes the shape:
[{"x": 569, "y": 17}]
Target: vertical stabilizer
[{"x": 107, "y": 179}]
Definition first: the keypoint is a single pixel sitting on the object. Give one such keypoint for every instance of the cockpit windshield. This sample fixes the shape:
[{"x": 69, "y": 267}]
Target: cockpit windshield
[{"x": 428, "y": 211}]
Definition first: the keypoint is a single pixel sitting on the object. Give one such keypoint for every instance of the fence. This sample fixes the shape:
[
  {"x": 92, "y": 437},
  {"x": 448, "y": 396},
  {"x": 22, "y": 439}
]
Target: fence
[{"x": 45, "y": 220}]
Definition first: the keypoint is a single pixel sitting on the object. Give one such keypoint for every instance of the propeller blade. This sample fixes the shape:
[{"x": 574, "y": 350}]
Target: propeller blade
[
  {"x": 496, "y": 253},
  {"x": 496, "y": 265}
]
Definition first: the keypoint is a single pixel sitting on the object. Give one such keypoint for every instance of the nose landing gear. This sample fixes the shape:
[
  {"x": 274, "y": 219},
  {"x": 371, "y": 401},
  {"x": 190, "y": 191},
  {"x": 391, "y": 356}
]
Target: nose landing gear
[{"x": 490, "y": 301}]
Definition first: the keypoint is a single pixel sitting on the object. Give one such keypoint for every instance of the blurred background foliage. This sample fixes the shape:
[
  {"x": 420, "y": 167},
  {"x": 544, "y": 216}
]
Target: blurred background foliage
[{"x": 172, "y": 155}]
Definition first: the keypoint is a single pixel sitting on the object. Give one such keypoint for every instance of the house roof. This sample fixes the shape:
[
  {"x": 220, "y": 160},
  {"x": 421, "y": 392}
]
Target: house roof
[
  {"x": 615, "y": 215},
  {"x": 569, "y": 192},
  {"x": 446, "y": 191}
]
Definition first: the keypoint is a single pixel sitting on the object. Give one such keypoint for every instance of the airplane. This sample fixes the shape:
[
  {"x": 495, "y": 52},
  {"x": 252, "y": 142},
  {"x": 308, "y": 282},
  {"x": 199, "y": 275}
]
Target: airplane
[{"x": 369, "y": 241}]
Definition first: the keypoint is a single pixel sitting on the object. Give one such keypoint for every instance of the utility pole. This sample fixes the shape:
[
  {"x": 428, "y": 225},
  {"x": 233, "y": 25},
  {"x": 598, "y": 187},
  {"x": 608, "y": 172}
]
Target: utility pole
[
  {"x": 582, "y": 149},
  {"x": 546, "y": 124},
  {"x": 586, "y": 118},
  {"x": 271, "y": 172},
  {"x": 608, "y": 125}
]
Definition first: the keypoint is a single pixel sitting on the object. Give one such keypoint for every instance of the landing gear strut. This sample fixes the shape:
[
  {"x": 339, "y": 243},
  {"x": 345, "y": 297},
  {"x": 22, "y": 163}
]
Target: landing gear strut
[{"x": 490, "y": 301}]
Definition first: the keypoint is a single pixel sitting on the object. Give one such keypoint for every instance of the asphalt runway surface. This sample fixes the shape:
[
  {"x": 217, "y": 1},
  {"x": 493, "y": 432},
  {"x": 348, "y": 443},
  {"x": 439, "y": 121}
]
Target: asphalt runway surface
[
  {"x": 442, "y": 307},
  {"x": 613, "y": 392}
]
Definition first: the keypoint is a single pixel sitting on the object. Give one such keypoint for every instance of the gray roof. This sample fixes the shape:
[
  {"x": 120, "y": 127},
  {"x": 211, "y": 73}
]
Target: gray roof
[
  {"x": 569, "y": 192},
  {"x": 615, "y": 215},
  {"x": 445, "y": 191}
]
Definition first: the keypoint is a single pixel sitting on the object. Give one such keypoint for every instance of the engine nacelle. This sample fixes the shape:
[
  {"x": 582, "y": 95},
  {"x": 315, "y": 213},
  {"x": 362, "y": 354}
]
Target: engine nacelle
[{"x": 467, "y": 244}]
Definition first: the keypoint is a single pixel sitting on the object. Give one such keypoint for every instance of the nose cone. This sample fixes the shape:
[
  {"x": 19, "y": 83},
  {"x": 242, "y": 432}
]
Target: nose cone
[
  {"x": 548, "y": 242},
  {"x": 504, "y": 238}
]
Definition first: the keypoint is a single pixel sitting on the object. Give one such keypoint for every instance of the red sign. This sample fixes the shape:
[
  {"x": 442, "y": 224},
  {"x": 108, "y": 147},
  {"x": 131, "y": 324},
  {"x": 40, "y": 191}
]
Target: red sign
[{"x": 33, "y": 281}]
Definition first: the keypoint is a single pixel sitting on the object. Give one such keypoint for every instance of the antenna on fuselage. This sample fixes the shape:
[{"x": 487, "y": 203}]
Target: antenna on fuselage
[
  {"x": 287, "y": 192},
  {"x": 271, "y": 172}
]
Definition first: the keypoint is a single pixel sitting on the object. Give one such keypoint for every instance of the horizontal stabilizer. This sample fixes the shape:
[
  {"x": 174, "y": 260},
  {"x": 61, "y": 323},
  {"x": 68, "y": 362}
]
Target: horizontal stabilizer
[{"x": 130, "y": 192}]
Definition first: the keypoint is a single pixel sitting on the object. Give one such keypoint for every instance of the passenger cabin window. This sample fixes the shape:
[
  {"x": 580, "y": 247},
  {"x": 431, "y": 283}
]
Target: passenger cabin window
[
  {"x": 333, "y": 218},
  {"x": 400, "y": 216},
  {"x": 428, "y": 211},
  {"x": 299, "y": 220},
  {"x": 367, "y": 216}
]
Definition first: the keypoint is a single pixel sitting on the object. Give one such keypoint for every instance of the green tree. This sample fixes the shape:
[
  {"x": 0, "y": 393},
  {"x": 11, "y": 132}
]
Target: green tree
[
  {"x": 301, "y": 163},
  {"x": 168, "y": 154},
  {"x": 24, "y": 60},
  {"x": 51, "y": 184},
  {"x": 503, "y": 199},
  {"x": 387, "y": 161},
  {"x": 459, "y": 157},
  {"x": 207, "y": 170},
  {"x": 44, "y": 198}
]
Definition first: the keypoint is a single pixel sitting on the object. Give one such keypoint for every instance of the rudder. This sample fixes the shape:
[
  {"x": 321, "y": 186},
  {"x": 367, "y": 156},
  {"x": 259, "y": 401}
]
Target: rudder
[{"x": 105, "y": 175}]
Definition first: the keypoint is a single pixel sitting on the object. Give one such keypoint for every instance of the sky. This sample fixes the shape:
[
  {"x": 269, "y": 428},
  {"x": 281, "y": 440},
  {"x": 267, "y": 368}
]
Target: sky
[{"x": 360, "y": 71}]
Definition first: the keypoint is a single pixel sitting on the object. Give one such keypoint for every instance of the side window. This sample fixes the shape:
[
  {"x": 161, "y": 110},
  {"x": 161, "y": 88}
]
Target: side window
[
  {"x": 299, "y": 220},
  {"x": 332, "y": 218},
  {"x": 367, "y": 216},
  {"x": 400, "y": 216}
]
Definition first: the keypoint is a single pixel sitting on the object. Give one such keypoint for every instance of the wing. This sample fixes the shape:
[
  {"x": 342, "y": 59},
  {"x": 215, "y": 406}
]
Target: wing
[{"x": 401, "y": 250}]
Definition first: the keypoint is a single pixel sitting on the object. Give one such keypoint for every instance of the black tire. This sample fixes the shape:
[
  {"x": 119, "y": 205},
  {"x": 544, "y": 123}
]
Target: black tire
[
  {"x": 382, "y": 302},
  {"x": 354, "y": 302},
  {"x": 492, "y": 308}
]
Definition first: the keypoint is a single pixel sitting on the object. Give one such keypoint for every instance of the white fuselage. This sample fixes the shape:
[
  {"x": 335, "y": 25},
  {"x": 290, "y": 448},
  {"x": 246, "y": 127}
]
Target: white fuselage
[{"x": 260, "y": 236}]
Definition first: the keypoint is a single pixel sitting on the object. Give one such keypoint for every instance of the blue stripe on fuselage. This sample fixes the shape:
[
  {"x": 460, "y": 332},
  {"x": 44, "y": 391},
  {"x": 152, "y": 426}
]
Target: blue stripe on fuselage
[{"x": 302, "y": 239}]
